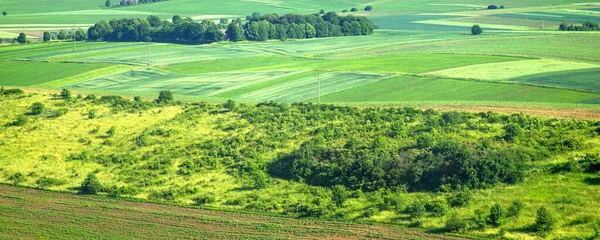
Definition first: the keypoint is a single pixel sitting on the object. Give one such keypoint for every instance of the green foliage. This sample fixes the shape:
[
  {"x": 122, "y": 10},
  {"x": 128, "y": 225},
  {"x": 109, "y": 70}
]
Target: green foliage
[
  {"x": 513, "y": 132},
  {"x": 207, "y": 198},
  {"x": 92, "y": 114},
  {"x": 14, "y": 91},
  {"x": 416, "y": 209},
  {"x": 22, "y": 38},
  {"x": 46, "y": 37},
  {"x": 17, "y": 178},
  {"x": 455, "y": 224},
  {"x": 46, "y": 182},
  {"x": 111, "y": 132},
  {"x": 20, "y": 121},
  {"x": 438, "y": 206},
  {"x": 65, "y": 94},
  {"x": 516, "y": 208},
  {"x": 37, "y": 108},
  {"x": 165, "y": 96},
  {"x": 137, "y": 98},
  {"x": 476, "y": 30},
  {"x": 544, "y": 221},
  {"x": 339, "y": 195},
  {"x": 460, "y": 198},
  {"x": 596, "y": 228},
  {"x": 497, "y": 215},
  {"x": 368, "y": 8},
  {"x": 91, "y": 185},
  {"x": 230, "y": 105}
]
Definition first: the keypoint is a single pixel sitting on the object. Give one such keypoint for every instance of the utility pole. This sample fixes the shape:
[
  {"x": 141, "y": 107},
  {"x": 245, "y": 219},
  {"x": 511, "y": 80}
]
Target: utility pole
[
  {"x": 74, "y": 39},
  {"x": 544, "y": 24},
  {"x": 148, "y": 55},
  {"x": 319, "y": 78}
]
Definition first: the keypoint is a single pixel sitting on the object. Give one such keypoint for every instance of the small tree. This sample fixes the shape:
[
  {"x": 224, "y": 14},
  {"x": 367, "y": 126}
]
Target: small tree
[
  {"x": 37, "y": 108},
  {"x": 17, "y": 178},
  {"x": 596, "y": 227},
  {"x": 65, "y": 94},
  {"x": 476, "y": 30},
  {"x": 165, "y": 96},
  {"x": 137, "y": 98},
  {"x": 516, "y": 208},
  {"x": 111, "y": 132},
  {"x": 62, "y": 35},
  {"x": 492, "y": 6},
  {"x": 4, "y": 13},
  {"x": 230, "y": 105},
  {"x": 224, "y": 21},
  {"x": 544, "y": 221},
  {"x": 353, "y": 10},
  {"x": 90, "y": 185},
  {"x": 46, "y": 36},
  {"x": 497, "y": 215},
  {"x": 107, "y": 3},
  {"x": 322, "y": 11},
  {"x": 368, "y": 8},
  {"x": 92, "y": 114},
  {"x": 501, "y": 6},
  {"x": 22, "y": 39},
  {"x": 416, "y": 210},
  {"x": 339, "y": 194},
  {"x": 20, "y": 120}
]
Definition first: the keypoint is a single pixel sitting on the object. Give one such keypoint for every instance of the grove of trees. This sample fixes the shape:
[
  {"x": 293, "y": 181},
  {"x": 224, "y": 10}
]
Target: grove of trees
[
  {"x": 256, "y": 28},
  {"x": 587, "y": 26}
]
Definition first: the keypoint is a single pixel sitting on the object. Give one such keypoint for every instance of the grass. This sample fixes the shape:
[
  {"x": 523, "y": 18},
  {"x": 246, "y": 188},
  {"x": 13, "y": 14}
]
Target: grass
[
  {"x": 408, "y": 88},
  {"x": 308, "y": 88},
  {"x": 398, "y": 63},
  {"x": 258, "y": 86},
  {"x": 507, "y": 70},
  {"x": 19, "y": 73},
  {"x": 194, "y": 85},
  {"x": 584, "y": 80}
]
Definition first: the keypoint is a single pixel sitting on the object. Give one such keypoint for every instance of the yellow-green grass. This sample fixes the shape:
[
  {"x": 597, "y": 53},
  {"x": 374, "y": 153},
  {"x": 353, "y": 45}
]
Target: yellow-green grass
[
  {"x": 41, "y": 149},
  {"x": 584, "y": 80},
  {"x": 507, "y": 70},
  {"x": 22, "y": 73},
  {"x": 397, "y": 63},
  {"x": 408, "y": 88}
]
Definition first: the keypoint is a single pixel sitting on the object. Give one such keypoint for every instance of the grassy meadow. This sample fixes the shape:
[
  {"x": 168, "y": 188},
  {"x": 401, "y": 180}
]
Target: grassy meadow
[{"x": 247, "y": 153}]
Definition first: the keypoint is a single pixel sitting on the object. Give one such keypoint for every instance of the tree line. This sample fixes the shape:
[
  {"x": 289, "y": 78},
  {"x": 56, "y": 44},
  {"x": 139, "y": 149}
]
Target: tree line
[
  {"x": 587, "y": 26},
  {"x": 256, "y": 28}
]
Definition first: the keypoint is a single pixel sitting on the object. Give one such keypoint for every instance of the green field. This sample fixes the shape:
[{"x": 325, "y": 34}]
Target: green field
[
  {"x": 585, "y": 80},
  {"x": 18, "y": 73},
  {"x": 406, "y": 88}
]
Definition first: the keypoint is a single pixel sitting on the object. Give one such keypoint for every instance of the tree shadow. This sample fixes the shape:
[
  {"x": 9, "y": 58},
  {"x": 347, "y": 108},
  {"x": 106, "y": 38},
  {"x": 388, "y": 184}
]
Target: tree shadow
[{"x": 592, "y": 180}]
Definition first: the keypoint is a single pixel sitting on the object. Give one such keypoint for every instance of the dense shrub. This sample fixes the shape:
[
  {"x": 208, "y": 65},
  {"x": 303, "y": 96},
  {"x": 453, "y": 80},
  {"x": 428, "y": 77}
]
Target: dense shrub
[
  {"x": 17, "y": 178},
  {"x": 91, "y": 185},
  {"x": 497, "y": 215},
  {"x": 544, "y": 221},
  {"x": 65, "y": 94},
  {"x": 416, "y": 209},
  {"x": 37, "y": 108},
  {"x": 516, "y": 208},
  {"x": 455, "y": 224},
  {"x": 476, "y": 30},
  {"x": 20, "y": 120},
  {"x": 49, "y": 182}
]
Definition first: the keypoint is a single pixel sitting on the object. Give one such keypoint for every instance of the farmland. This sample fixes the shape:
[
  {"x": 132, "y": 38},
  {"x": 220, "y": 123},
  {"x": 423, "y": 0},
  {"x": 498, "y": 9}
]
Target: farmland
[{"x": 420, "y": 130}]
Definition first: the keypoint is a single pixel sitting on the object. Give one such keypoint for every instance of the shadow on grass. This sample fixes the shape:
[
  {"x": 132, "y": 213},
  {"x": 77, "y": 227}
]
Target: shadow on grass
[{"x": 592, "y": 180}]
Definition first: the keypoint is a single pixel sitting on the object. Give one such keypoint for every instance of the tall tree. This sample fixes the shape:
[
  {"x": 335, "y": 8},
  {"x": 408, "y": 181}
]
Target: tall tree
[
  {"x": 22, "y": 39},
  {"x": 107, "y": 3},
  {"x": 476, "y": 30},
  {"x": 46, "y": 36},
  {"x": 234, "y": 32}
]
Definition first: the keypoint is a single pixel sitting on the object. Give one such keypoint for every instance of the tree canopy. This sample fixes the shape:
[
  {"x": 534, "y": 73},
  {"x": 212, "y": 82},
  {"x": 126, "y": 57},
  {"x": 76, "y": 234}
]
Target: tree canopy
[{"x": 476, "y": 30}]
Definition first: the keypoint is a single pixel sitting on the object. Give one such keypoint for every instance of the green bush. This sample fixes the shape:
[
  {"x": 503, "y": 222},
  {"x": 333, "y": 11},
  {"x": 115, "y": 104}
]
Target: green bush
[
  {"x": 37, "y": 108},
  {"x": 476, "y": 30},
  {"x": 455, "y": 224},
  {"x": 165, "y": 96},
  {"x": 516, "y": 208},
  {"x": 111, "y": 132},
  {"x": 45, "y": 182},
  {"x": 339, "y": 194},
  {"x": 416, "y": 209},
  {"x": 497, "y": 215},
  {"x": 437, "y": 206},
  {"x": 65, "y": 94},
  {"x": 20, "y": 120},
  {"x": 544, "y": 221},
  {"x": 92, "y": 114},
  {"x": 460, "y": 198},
  {"x": 207, "y": 198},
  {"x": 17, "y": 178},
  {"x": 596, "y": 227},
  {"x": 90, "y": 185}
]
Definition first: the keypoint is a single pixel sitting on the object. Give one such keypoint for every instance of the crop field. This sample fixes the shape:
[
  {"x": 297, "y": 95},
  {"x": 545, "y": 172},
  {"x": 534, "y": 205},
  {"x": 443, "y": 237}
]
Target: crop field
[
  {"x": 17, "y": 73},
  {"x": 407, "y": 88},
  {"x": 507, "y": 70},
  {"x": 28, "y": 213},
  {"x": 585, "y": 80}
]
